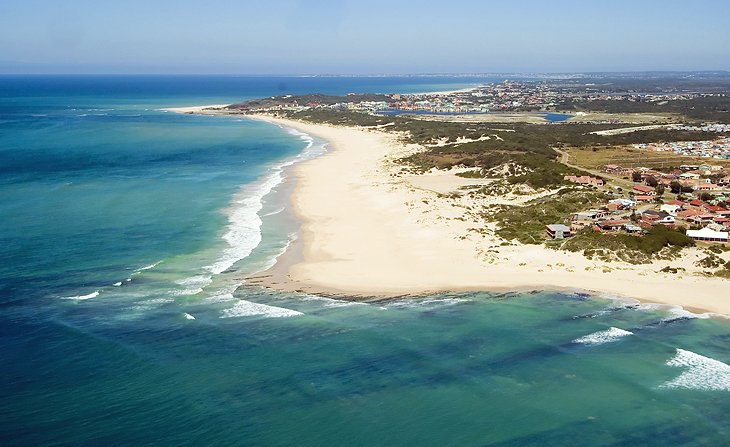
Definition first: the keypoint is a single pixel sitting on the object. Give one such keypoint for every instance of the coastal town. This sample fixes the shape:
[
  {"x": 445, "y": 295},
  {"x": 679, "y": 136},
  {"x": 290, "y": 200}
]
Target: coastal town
[
  {"x": 718, "y": 148},
  {"x": 506, "y": 96},
  {"x": 691, "y": 197}
]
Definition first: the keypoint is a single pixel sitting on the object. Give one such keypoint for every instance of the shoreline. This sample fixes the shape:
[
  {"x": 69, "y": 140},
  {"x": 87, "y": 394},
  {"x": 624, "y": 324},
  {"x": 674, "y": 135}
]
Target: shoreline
[{"x": 411, "y": 242}]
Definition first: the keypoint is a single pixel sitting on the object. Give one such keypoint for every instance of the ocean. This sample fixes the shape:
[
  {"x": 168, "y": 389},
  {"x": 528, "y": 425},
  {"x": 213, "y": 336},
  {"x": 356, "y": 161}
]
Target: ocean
[{"x": 126, "y": 229}]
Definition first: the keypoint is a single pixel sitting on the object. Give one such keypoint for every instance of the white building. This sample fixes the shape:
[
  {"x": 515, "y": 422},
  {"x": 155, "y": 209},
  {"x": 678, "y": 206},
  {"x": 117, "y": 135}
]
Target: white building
[{"x": 707, "y": 235}]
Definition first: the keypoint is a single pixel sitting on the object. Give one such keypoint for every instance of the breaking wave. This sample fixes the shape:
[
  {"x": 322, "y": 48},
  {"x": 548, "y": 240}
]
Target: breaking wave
[
  {"x": 702, "y": 373},
  {"x": 245, "y": 308},
  {"x": 243, "y": 233},
  {"x": 601, "y": 337}
]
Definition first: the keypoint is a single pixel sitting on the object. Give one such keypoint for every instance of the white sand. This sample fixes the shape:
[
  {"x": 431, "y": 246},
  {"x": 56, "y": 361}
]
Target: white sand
[
  {"x": 204, "y": 110},
  {"x": 368, "y": 230}
]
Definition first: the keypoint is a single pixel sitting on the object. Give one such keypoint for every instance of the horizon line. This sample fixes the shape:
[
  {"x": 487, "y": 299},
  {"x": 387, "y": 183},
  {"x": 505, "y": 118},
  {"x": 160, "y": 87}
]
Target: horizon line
[{"x": 445, "y": 74}]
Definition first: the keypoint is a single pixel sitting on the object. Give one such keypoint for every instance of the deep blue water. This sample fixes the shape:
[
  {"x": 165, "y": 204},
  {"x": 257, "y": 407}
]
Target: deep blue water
[{"x": 124, "y": 229}]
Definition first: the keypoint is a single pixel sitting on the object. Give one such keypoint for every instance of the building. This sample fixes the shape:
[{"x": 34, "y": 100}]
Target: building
[
  {"x": 657, "y": 217},
  {"x": 584, "y": 180},
  {"x": 625, "y": 203},
  {"x": 558, "y": 231},
  {"x": 672, "y": 209},
  {"x": 589, "y": 215},
  {"x": 644, "y": 190},
  {"x": 707, "y": 235},
  {"x": 701, "y": 219},
  {"x": 612, "y": 225}
]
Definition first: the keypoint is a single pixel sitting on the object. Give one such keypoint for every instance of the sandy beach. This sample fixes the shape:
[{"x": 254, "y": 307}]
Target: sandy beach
[
  {"x": 210, "y": 109},
  {"x": 368, "y": 229}
]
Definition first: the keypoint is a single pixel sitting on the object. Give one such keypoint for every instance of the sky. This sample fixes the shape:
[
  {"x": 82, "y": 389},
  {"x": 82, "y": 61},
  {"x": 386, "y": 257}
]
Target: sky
[{"x": 361, "y": 37}]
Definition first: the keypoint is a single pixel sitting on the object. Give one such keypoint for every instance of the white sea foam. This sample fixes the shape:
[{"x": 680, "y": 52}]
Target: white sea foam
[
  {"x": 676, "y": 312},
  {"x": 275, "y": 212},
  {"x": 220, "y": 298},
  {"x": 243, "y": 233},
  {"x": 271, "y": 261},
  {"x": 703, "y": 373},
  {"x": 188, "y": 316},
  {"x": 186, "y": 292},
  {"x": 608, "y": 336},
  {"x": 151, "y": 266},
  {"x": 331, "y": 302},
  {"x": 245, "y": 308},
  {"x": 198, "y": 280},
  {"x": 83, "y": 297},
  {"x": 117, "y": 284}
]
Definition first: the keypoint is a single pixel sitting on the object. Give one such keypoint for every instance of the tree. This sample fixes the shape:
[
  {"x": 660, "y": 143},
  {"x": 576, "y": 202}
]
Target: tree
[
  {"x": 687, "y": 189},
  {"x": 636, "y": 176},
  {"x": 660, "y": 190},
  {"x": 652, "y": 181},
  {"x": 706, "y": 197},
  {"x": 675, "y": 187}
]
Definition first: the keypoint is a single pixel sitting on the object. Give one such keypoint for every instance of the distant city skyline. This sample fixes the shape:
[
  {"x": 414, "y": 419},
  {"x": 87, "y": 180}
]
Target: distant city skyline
[{"x": 350, "y": 37}]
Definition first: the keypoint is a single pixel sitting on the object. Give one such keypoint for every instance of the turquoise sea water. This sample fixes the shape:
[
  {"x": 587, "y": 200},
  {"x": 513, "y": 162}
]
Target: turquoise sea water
[{"x": 124, "y": 227}]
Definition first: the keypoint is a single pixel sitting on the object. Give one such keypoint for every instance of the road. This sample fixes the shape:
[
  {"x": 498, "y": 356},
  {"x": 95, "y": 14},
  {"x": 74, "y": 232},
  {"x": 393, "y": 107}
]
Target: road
[{"x": 565, "y": 157}]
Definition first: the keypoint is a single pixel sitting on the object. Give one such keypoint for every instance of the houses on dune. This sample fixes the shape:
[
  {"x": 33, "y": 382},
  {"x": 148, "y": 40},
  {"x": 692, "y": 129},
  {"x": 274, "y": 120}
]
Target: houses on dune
[{"x": 701, "y": 206}]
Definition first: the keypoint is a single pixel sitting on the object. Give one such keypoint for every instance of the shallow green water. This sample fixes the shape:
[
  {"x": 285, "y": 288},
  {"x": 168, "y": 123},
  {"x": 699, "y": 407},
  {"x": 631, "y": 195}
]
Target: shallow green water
[{"x": 467, "y": 369}]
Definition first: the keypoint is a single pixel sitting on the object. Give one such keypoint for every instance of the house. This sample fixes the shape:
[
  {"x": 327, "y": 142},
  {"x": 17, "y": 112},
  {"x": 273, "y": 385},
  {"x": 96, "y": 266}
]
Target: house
[
  {"x": 577, "y": 225},
  {"x": 613, "y": 207},
  {"x": 670, "y": 209},
  {"x": 643, "y": 189},
  {"x": 701, "y": 219},
  {"x": 588, "y": 215},
  {"x": 707, "y": 235},
  {"x": 688, "y": 214},
  {"x": 625, "y": 203},
  {"x": 584, "y": 180},
  {"x": 689, "y": 176},
  {"x": 632, "y": 229},
  {"x": 558, "y": 231},
  {"x": 611, "y": 225},
  {"x": 657, "y": 217}
]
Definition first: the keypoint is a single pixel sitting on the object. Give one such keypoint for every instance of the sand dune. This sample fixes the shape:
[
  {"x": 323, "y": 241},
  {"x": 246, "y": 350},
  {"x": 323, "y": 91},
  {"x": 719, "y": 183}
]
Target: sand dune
[{"x": 369, "y": 230}]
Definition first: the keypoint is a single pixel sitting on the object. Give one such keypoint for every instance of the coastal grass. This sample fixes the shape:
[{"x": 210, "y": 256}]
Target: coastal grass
[
  {"x": 598, "y": 157},
  {"x": 707, "y": 108},
  {"x": 528, "y": 145},
  {"x": 659, "y": 242},
  {"x": 526, "y": 224}
]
